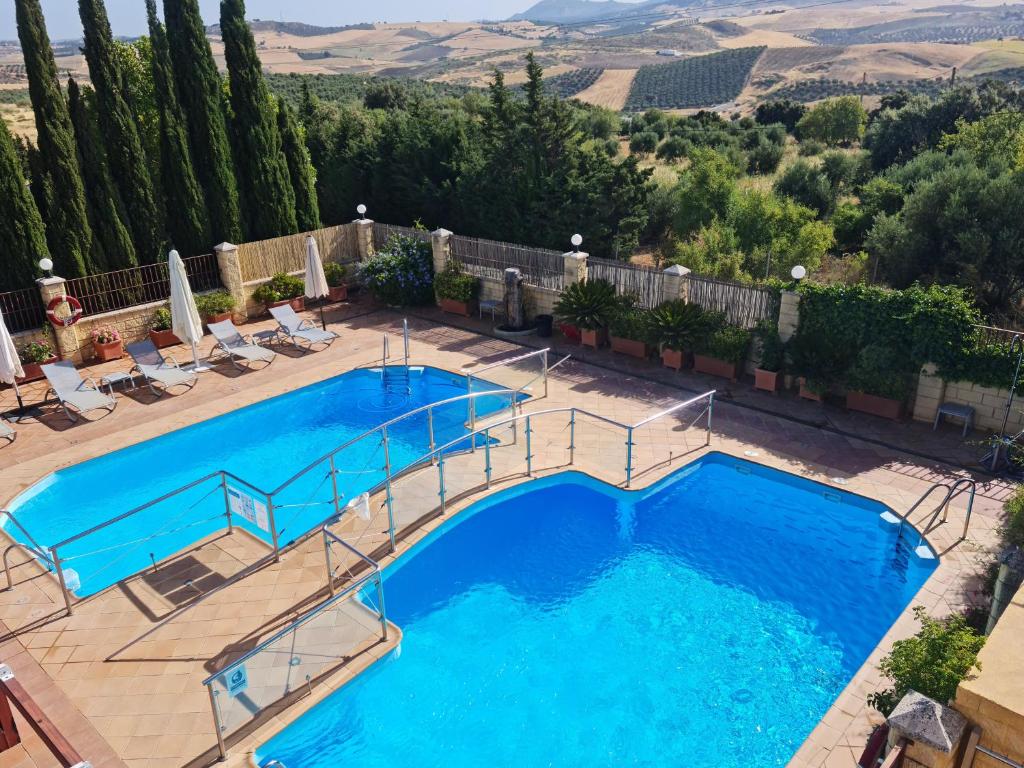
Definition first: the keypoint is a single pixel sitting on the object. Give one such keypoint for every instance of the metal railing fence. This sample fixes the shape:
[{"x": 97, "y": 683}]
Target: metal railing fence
[{"x": 22, "y": 310}]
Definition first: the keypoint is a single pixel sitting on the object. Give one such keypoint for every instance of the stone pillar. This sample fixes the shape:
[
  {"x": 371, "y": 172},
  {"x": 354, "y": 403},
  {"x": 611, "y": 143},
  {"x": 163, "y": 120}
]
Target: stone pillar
[
  {"x": 931, "y": 392},
  {"x": 364, "y": 238},
  {"x": 575, "y": 267},
  {"x": 935, "y": 731},
  {"x": 789, "y": 314},
  {"x": 230, "y": 267},
  {"x": 675, "y": 285},
  {"x": 1008, "y": 582},
  {"x": 66, "y": 339},
  {"x": 440, "y": 242}
]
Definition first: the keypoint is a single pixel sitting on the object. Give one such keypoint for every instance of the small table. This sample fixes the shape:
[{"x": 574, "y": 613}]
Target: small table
[
  {"x": 265, "y": 337},
  {"x": 490, "y": 305},
  {"x": 957, "y": 410},
  {"x": 117, "y": 377}
]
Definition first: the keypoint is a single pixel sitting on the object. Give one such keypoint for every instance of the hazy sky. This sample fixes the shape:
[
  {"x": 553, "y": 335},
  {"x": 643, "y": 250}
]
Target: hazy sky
[{"x": 128, "y": 17}]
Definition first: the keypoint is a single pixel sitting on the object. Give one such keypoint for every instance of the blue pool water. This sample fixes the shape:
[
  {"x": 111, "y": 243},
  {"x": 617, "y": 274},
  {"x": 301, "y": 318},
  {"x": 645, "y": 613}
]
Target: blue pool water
[
  {"x": 264, "y": 444},
  {"x": 708, "y": 621}
]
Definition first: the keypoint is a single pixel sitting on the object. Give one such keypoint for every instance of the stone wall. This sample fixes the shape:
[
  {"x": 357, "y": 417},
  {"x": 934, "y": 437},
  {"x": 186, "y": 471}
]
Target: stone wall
[{"x": 989, "y": 403}]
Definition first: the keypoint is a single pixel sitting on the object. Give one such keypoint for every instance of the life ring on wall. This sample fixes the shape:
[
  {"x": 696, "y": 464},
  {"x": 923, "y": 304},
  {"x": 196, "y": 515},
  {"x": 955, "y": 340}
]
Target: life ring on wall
[{"x": 64, "y": 322}]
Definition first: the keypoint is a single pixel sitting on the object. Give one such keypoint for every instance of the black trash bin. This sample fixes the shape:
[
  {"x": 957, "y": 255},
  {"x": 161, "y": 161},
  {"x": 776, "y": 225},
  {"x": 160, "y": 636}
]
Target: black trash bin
[{"x": 544, "y": 325}]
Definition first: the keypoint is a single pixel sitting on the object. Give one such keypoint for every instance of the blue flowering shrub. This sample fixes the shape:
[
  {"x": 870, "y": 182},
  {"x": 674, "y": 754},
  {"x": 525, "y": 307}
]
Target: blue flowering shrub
[{"x": 402, "y": 273}]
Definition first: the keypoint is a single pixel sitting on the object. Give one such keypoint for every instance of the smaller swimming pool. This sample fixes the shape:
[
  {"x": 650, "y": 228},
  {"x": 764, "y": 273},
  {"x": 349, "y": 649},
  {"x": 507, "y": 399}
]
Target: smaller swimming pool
[{"x": 264, "y": 443}]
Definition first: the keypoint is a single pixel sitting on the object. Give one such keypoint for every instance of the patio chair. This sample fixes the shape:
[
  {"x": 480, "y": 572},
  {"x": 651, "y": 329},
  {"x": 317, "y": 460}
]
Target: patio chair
[
  {"x": 75, "y": 392},
  {"x": 157, "y": 369},
  {"x": 300, "y": 331},
  {"x": 237, "y": 347},
  {"x": 6, "y": 431}
]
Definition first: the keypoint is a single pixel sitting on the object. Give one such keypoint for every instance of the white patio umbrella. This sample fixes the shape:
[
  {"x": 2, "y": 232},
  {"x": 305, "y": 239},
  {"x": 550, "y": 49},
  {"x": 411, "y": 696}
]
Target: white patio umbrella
[
  {"x": 316, "y": 280},
  {"x": 10, "y": 363},
  {"x": 185, "y": 320}
]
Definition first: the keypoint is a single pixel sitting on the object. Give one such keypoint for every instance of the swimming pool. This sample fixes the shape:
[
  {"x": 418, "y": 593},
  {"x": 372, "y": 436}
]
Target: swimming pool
[
  {"x": 709, "y": 620},
  {"x": 264, "y": 444}
]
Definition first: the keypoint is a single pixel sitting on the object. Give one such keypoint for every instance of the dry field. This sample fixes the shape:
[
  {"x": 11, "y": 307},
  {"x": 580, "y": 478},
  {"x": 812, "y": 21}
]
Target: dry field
[
  {"x": 19, "y": 119},
  {"x": 611, "y": 89}
]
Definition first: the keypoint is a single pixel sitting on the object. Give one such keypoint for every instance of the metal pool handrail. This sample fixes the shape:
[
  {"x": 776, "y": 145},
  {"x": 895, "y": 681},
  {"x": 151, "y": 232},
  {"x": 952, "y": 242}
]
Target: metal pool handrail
[
  {"x": 471, "y": 375},
  {"x": 963, "y": 484}
]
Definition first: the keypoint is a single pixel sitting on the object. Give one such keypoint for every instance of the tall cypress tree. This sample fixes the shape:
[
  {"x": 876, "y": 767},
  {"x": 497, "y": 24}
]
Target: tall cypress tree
[
  {"x": 187, "y": 221},
  {"x": 127, "y": 158},
  {"x": 68, "y": 232},
  {"x": 112, "y": 242},
  {"x": 300, "y": 169},
  {"x": 21, "y": 226},
  {"x": 267, "y": 194},
  {"x": 199, "y": 93}
]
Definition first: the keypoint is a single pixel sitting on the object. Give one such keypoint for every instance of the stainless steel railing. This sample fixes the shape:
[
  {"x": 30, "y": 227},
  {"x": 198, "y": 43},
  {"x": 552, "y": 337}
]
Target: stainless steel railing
[{"x": 950, "y": 492}]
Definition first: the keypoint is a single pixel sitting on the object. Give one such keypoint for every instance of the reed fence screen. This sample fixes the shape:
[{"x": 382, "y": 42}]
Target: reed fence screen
[
  {"x": 22, "y": 310},
  {"x": 266, "y": 258},
  {"x": 489, "y": 258},
  {"x": 743, "y": 305},
  {"x": 645, "y": 284},
  {"x": 384, "y": 232}
]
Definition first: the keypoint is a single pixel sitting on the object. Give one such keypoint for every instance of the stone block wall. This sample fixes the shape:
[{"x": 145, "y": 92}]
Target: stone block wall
[
  {"x": 133, "y": 324},
  {"x": 989, "y": 403}
]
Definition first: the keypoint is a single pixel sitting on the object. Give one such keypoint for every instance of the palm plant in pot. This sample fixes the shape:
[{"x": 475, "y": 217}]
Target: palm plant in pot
[
  {"x": 588, "y": 305},
  {"x": 818, "y": 362},
  {"x": 215, "y": 306},
  {"x": 282, "y": 289},
  {"x": 628, "y": 329},
  {"x": 160, "y": 332},
  {"x": 337, "y": 282},
  {"x": 722, "y": 352},
  {"x": 773, "y": 356},
  {"x": 677, "y": 327},
  {"x": 456, "y": 289},
  {"x": 879, "y": 382}
]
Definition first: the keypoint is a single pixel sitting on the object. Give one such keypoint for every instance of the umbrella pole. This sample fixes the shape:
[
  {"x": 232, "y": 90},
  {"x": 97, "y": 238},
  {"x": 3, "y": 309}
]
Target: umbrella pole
[
  {"x": 323, "y": 323},
  {"x": 197, "y": 367}
]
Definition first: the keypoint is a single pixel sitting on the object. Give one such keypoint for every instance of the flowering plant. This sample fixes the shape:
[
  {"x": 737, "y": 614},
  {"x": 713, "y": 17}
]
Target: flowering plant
[
  {"x": 36, "y": 352},
  {"x": 402, "y": 274},
  {"x": 105, "y": 335}
]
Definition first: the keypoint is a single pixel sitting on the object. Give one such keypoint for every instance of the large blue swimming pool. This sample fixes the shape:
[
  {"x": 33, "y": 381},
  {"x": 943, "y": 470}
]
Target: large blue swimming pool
[
  {"x": 708, "y": 621},
  {"x": 263, "y": 444}
]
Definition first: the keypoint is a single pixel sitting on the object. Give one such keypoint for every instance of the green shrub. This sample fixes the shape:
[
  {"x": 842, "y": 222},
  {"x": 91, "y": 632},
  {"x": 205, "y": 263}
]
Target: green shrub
[
  {"x": 630, "y": 322},
  {"x": 280, "y": 287},
  {"x": 335, "y": 274},
  {"x": 821, "y": 363},
  {"x": 773, "y": 350},
  {"x": 881, "y": 370},
  {"x": 589, "y": 305},
  {"x": 679, "y": 326},
  {"x": 36, "y": 352},
  {"x": 728, "y": 344},
  {"x": 215, "y": 303},
  {"x": 402, "y": 273},
  {"x": 162, "y": 320},
  {"x": 932, "y": 662},
  {"x": 1013, "y": 527},
  {"x": 455, "y": 284},
  {"x": 810, "y": 148}
]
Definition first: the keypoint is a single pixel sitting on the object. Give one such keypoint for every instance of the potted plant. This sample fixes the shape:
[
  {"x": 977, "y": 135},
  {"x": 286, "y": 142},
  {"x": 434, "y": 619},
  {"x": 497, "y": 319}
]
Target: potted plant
[
  {"x": 773, "y": 354},
  {"x": 282, "y": 289},
  {"x": 160, "y": 332},
  {"x": 588, "y": 305},
  {"x": 722, "y": 352},
  {"x": 456, "y": 289},
  {"x": 336, "y": 283},
  {"x": 106, "y": 343},
  {"x": 215, "y": 306},
  {"x": 817, "y": 362},
  {"x": 879, "y": 382},
  {"x": 628, "y": 330},
  {"x": 676, "y": 327},
  {"x": 34, "y": 356}
]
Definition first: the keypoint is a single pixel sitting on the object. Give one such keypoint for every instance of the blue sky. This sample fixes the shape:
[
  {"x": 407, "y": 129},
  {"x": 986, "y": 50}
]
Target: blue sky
[{"x": 128, "y": 17}]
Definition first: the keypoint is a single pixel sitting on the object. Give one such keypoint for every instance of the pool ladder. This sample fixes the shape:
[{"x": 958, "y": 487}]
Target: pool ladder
[
  {"x": 396, "y": 377},
  {"x": 951, "y": 491}
]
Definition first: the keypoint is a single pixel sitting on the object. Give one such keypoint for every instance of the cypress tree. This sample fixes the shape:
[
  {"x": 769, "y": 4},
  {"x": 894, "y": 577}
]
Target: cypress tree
[
  {"x": 68, "y": 232},
  {"x": 187, "y": 221},
  {"x": 112, "y": 246},
  {"x": 300, "y": 169},
  {"x": 22, "y": 235},
  {"x": 199, "y": 93},
  {"x": 126, "y": 155},
  {"x": 267, "y": 194}
]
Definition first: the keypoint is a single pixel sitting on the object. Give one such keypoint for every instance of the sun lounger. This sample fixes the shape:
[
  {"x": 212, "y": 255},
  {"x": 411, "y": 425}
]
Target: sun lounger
[
  {"x": 75, "y": 392},
  {"x": 300, "y": 331},
  {"x": 237, "y": 347},
  {"x": 157, "y": 369},
  {"x": 6, "y": 431}
]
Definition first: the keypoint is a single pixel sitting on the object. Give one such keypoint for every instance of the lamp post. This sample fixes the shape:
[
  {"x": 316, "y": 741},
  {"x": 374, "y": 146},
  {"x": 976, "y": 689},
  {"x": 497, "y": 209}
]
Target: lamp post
[
  {"x": 577, "y": 241},
  {"x": 46, "y": 265},
  {"x": 361, "y": 210},
  {"x": 798, "y": 272}
]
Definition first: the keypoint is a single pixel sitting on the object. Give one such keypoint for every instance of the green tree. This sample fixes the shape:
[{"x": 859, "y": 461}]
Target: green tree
[
  {"x": 784, "y": 111},
  {"x": 125, "y": 152},
  {"x": 643, "y": 143},
  {"x": 809, "y": 186},
  {"x": 188, "y": 223},
  {"x": 112, "y": 242},
  {"x": 996, "y": 137},
  {"x": 267, "y": 194},
  {"x": 199, "y": 90},
  {"x": 778, "y": 230},
  {"x": 68, "y": 232},
  {"x": 705, "y": 189},
  {"x": 300, "y": 169},
  {"x": 834, "y": 121},
  {"x": 21, "y": 226}
]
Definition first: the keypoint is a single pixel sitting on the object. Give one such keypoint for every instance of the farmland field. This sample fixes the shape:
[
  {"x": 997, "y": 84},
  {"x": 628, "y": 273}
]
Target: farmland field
[
  {"x": 611, "y": 89},
  {"x": 701, "y": 81},
  {"x": 569, "y": 84}
]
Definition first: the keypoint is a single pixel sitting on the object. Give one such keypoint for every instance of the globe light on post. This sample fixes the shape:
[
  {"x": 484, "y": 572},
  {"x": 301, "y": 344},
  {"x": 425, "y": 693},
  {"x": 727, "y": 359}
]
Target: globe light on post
[
  {"x": 46, "y": 265},
  {"x": 361, "y": 210},
  {"x": 577, "y": 241},
  {"x": 798, "y": 272}
]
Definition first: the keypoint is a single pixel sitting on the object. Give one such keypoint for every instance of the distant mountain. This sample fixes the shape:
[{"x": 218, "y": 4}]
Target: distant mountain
[
  {"x": 564, "y": 11},
  {"x": 296, "y": 28}
]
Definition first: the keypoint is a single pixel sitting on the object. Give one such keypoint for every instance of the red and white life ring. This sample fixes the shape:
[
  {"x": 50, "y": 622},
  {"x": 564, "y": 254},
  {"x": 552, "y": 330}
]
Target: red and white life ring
[{"x": 64, "y": 322}]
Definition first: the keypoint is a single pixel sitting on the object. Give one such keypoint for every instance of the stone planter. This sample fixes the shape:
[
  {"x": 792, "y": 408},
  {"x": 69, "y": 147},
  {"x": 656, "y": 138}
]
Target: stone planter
[
  {"x": 571, "y": 332},
  {"x": 338, "y": 293},
  {"x": 714, "y": 367},
  {"x": 767, "y": 381},
  {"x": 630, "y": 347},
  {"x": 163, "y": 339},
  {"x": 34, "y": 371},
  {"x": 107, "y": 352},
  {"x": 453, "y": 307},
  {"x": 672, "y": 358},
  {"x": 595, "y": 338},
  {"x": 885, "y": 407},
  {"x": 807, "y": 394}
]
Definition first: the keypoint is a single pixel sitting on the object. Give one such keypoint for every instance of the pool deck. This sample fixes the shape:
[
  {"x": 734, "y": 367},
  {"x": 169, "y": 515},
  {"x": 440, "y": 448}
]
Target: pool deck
[{"x": 122, "y": 677}]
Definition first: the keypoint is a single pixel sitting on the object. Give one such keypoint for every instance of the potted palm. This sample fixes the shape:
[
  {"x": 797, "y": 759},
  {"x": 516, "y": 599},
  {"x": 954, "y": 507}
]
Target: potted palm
[
  {"x": 106, "y": 343},
  {"x": 34, "y": 356},
  {"x": 336, "y": 281},
  {"x": 773, "y": 353},
  {"x": 588, "y": 305},
  {"x": 456, "y": 290},
  {"x": 628, "y": 330},
  {"x": 676, "y": 327},
  {"x": 878, "y": 383},
  {"x": 215, "y": 307},
  {"x": 160, "y": 332},
  {"x": 722, "y": 352},
  {"x": 282, "y": 289}
]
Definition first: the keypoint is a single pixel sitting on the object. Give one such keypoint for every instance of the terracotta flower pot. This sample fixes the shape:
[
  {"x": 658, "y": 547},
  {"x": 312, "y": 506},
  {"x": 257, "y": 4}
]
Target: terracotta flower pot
[
  {"x": 218, "y": 318},
  {"x": 885, "y": 407},
  {"x": 338, "y": 292},
  {"x": 163, "y": 339},
  {"x": 808, "y": 394},
  {"x": 571, "y": 332},
  {"x": 595, "y": 338},
  {"x": 298, "y": 303},
  {"x": 34, "y": 371},
  {"x": 454, "y": 307},
  {"x": 673, "y": 358},
  {"x": 714, "y": 367},
  {"x": 767, "y": 381},
  {"x": 630, "y": 347},
  {"x": 106, "y": 352}
]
